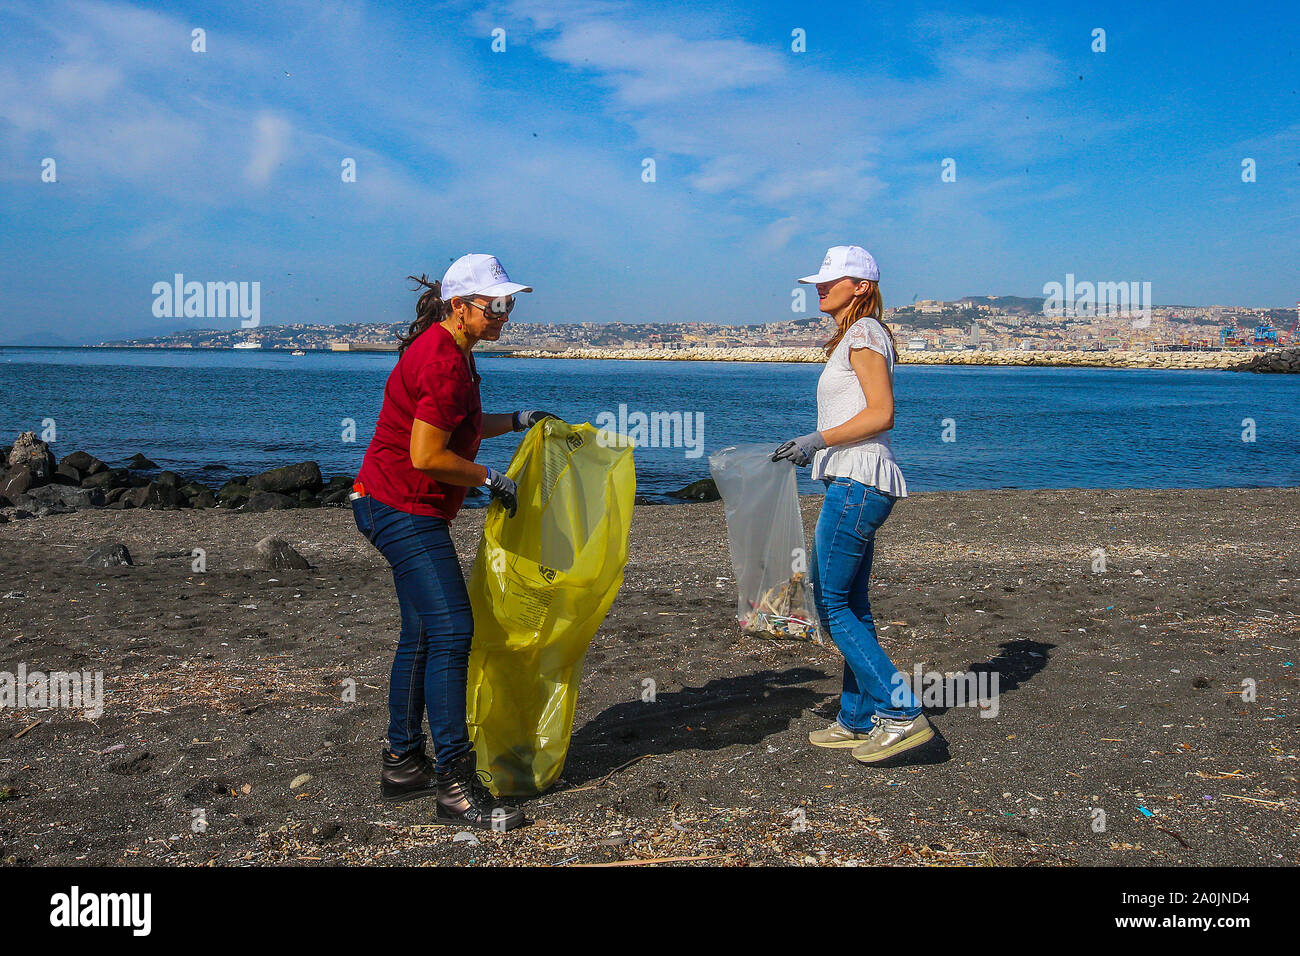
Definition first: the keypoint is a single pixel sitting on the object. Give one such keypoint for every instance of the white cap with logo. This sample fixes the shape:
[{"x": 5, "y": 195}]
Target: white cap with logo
[
  {"x": 841, "y": 261},
  {"x": 478, "y": 274}
]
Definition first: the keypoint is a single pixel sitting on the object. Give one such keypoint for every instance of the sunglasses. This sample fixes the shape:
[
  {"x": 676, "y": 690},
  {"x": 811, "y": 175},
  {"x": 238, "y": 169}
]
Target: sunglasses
[{"x": 502, "y": 305}]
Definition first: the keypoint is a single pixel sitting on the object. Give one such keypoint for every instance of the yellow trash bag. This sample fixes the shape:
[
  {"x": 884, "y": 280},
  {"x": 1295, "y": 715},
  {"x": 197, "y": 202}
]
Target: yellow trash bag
[{"x": 541, "y": 584}]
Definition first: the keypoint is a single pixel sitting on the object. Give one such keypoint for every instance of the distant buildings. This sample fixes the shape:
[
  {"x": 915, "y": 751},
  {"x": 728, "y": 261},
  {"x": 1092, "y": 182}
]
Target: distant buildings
[{"x": 929, "y": 325}]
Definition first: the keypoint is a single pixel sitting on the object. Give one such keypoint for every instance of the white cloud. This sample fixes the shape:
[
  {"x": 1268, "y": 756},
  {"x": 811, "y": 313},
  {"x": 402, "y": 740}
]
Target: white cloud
[
  {"x": 270, "y": 144},
  {"x": 83, "y": 82}
]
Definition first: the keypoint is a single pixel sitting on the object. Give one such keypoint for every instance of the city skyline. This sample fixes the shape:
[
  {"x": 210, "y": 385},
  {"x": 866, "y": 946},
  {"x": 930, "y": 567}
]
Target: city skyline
[{"x": 986, "y": 323}]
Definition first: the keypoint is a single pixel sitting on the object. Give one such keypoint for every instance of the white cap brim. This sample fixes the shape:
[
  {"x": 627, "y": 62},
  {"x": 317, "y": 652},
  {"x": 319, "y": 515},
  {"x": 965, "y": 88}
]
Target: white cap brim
[
  {"x": 503, "y": 288},
  {"x": 819, "y": 278}
]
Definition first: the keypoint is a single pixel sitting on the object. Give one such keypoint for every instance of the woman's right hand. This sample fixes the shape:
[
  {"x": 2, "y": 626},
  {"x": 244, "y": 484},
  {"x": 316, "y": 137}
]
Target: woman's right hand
[
  {"x": 524, "y": 420},
  {"x": 503, "y": 489},
  {"x": 801, "y": 450}
]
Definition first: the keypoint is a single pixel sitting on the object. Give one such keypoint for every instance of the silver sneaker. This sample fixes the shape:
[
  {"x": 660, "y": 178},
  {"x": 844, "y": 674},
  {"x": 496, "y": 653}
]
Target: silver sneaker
[
  {"x": 891, "y": 737},
  {"x": 836, "y": 736}
]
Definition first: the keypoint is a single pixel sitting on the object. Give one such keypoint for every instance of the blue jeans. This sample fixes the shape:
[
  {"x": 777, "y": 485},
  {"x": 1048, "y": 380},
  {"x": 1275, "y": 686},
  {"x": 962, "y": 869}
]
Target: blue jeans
[
  {"x": 431, "y": 664},
  {"x": 842, "y": 550}
]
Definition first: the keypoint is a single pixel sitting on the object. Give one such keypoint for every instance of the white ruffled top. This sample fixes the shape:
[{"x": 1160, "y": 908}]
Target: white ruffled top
[{"x": 840, "y": 397}]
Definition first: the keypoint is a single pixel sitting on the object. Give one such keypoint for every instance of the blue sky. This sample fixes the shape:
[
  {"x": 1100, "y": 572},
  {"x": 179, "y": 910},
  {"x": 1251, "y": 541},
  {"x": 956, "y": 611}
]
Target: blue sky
[{"x": 225, "y": 165}]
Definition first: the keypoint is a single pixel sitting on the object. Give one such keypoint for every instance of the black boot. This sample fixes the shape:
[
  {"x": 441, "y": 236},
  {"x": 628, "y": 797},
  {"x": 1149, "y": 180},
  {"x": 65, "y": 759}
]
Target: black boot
[
  {"x": 408, "y": 777},
  {"x": 462, "y": 799}
]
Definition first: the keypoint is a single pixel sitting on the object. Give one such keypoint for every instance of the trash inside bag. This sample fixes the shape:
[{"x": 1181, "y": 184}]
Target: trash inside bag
[
  {"x": 765, "y": 531},
  {"x": 540, "y": 586}
]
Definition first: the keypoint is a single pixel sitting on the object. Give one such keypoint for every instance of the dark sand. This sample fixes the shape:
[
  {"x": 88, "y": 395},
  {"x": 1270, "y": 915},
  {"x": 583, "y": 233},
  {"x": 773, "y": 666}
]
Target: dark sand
[{"x": 1119, "y": 691}]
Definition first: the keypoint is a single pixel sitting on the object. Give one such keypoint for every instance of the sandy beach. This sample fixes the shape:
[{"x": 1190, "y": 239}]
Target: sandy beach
[{"x": 1120, "y": 691}]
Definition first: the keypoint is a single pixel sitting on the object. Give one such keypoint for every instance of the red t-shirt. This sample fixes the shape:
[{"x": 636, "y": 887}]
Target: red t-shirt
[{"x": 434, "y": 382}]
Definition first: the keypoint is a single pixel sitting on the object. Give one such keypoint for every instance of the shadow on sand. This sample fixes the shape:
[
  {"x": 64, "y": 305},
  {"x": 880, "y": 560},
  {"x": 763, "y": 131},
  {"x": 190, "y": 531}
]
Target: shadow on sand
[
  {"x": 1019, "y": 661},
  {"x": 731, "y": 710}
]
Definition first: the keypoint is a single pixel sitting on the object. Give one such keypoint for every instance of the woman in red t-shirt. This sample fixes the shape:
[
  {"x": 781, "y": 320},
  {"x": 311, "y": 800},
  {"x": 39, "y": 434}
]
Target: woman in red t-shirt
[{"x": 411, "y": 484}]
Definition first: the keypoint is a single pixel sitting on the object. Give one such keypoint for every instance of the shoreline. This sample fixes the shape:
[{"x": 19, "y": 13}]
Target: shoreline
[{"x": 1287, "y": 359}]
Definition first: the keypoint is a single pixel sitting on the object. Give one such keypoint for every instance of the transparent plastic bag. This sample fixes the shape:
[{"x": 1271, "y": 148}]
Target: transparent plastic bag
[
  {"x": 765, "y": 532},
  {"x": 540, "y": 586}
]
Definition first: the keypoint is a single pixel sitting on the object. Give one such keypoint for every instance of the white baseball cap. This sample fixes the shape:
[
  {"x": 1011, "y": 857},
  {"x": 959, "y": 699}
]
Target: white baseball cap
[
  {"x": 478, "y": 274},
  {"x": 841, "y": 261}
]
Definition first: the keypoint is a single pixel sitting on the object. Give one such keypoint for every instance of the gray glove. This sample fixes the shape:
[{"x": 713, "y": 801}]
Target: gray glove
[
  {"x": 502, "y": 488},
  {"x": 800, "y": 450},
  {"x": 522, "y": 421}
]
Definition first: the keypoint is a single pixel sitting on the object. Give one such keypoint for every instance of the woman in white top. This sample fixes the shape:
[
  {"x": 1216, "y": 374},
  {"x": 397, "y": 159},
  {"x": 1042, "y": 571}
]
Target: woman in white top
[{"x": 879, "y": 715}]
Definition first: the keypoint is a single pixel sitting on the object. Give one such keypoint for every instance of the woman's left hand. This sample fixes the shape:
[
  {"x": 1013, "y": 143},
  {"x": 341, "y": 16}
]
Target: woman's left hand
[
  {"x": 525, "y": 420},
  {"x": 801, "y": 450}
]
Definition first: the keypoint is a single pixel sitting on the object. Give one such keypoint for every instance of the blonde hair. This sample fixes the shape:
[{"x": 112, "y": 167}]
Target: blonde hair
[{"x": 869, "y": 303}]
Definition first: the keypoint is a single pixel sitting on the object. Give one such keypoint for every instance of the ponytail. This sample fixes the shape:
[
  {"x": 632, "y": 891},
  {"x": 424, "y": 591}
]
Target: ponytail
[{"x": 429, "y": 309}]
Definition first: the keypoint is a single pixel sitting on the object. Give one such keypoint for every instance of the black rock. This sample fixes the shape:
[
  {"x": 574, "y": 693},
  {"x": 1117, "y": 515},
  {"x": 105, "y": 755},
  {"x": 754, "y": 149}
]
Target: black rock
[
  {"x": 337, "y": 497},
  {"x": 66, "y": 496},
  {"x": 84, "y": 463},
  {"x": 274, "y": 554},
  {"x": 17, "y": 482},
  {"x": 1286, "y": 361},
  {"x": 155, "y": 495},
  {"x": 702, "y": 490},
  {"x": 55, "y": 509},
  {"x": 108, "y": 556},
  {"x": 169, "y": 478},
  {"x": 140, "y": 463},
  {"x": 111, "y": 478},
  {"x": 233, "y": 494},
  {"x": 269, "y": 501},
  {"x": 113, "y": 495},
  {"x": 215, "y": 468},
  {"x": 66, "y": 475},
  {"x": 204, "y": 499},
  {"x": 290, "y": 479}
]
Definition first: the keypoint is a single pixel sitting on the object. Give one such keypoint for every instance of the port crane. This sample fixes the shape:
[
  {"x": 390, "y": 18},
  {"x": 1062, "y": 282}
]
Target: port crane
[{"x": 1265, "y": 334}]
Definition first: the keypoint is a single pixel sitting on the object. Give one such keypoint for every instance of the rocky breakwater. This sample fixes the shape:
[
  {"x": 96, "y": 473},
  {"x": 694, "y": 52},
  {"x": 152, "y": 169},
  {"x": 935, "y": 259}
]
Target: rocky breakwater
[
  {"x": 1285, "y": 360},
  {"x": 33, "y": 484},
  {"x": 1276, "y": 361},
  {"x": 1225, "y": 361}
]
